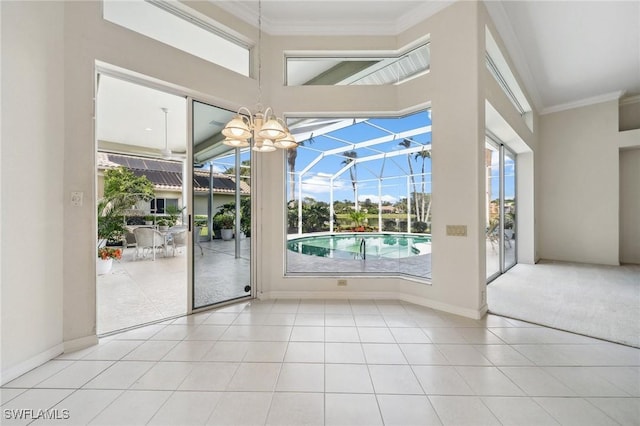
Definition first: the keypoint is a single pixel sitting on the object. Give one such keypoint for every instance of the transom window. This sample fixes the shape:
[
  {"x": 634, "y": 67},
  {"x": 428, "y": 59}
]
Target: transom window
[
  {"x": 371, "y": 68},
  {"x": 183, "y": 28}
]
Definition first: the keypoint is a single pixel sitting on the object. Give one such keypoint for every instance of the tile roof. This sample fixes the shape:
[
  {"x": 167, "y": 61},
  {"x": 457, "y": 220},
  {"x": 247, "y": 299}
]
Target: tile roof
[{"x": 167, "y": 175}]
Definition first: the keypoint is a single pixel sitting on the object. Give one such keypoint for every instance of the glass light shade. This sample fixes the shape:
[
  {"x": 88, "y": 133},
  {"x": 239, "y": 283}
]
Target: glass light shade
[
  {"x": 237, "y": 128},
  {"x": 265, "y": 146},
  {"x": 236, "y": 143},
  {"x": 272, "y": 130},
  {"x": 287, "y": 142}
]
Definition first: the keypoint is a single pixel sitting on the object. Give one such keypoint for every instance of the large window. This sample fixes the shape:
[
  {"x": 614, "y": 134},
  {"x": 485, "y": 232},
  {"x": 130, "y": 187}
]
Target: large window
[
  {"x": 359, "y": 196},
  {"x": 178, "y": 26},
  {"x": 159, "y": 205},
  {"x": 500, "y": 70},
  {"x": 368, "y": 68}
]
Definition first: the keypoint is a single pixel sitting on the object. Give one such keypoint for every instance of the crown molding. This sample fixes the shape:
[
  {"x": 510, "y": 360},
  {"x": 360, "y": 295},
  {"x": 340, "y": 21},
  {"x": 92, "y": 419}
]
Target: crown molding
[
  {"x": 382, "y": 27},
  {"x": 629, "y": 99},
  {"x": 613, "y": 96}
]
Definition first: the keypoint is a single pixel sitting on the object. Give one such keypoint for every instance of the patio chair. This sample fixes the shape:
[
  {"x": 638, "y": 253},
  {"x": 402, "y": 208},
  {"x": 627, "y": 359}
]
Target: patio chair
[
  {"x": 493, "y": 235},
  {"x": 178, "y": 239},
  {"x": 149, "y": 239},
  {"x": 129, "y": 237},
  {"x": 196, "y": 237}
]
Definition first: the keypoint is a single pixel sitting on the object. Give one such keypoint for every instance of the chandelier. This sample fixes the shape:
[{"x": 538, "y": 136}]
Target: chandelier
[{"x": 265, "y": 131}]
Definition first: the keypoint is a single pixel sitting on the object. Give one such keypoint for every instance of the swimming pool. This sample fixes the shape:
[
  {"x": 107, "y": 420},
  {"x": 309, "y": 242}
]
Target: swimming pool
[{"x": 362, "y": 245}]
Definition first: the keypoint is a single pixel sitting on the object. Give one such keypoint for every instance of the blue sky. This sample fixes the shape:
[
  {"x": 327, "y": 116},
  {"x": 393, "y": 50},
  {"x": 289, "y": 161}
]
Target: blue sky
[{"x": 393, "y": 169}]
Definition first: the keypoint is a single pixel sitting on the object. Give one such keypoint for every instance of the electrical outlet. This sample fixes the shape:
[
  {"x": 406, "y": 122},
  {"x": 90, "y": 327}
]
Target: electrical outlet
[
  {"x": 342, "y": 283},
  {"x": 76, "y": 198}
]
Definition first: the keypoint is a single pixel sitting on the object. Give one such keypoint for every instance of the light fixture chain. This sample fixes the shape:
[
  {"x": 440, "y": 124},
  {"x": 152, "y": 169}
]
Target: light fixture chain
[
  {"x": 260, "y": 54},
  {"x": 262, "y": 131}
]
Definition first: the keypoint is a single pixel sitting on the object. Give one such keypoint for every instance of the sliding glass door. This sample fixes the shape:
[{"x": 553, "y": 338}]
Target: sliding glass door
[
  {"x": 500, "y": 201},
  {"x": 221, "y": 211},
  {"x": 509, "y": 208}
]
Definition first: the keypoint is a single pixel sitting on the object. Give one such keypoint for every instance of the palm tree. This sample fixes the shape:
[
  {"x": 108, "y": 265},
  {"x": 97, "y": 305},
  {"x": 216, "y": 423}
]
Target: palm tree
[
  {"x": 424, "y": 154},
  {"x": 245, "y": 171},
  {"x": 292, "y": 154},
  {"x": 350, "y": 158},
  {"x": 406, "y": 143}
]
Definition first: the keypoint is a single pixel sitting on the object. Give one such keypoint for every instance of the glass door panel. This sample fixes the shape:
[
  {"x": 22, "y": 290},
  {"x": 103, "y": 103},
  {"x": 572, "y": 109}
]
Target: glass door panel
[
  {"x": 492, "y": 202},
  {"x": 221, "y": 211},
  {"x": 500, "y": 201},
  {"x": 509, "y": 209}
]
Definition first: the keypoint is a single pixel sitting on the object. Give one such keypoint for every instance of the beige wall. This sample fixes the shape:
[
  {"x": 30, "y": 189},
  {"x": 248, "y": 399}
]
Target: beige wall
[
  {"x": 630, "y": 206},
  {"x": 629, "y": 113},
  {"x": 579, "y": 180},
  {"x": 33, "y": 198}
]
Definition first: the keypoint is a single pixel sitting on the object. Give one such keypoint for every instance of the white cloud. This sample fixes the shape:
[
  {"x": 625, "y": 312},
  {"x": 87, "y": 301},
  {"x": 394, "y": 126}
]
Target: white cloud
[
  {"x": 374, "y": 198},
  {"x": 320, "y": 184}
]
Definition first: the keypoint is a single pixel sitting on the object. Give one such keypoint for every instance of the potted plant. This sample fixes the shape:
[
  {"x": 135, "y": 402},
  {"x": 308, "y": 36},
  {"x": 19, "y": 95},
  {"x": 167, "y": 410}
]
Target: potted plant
[
  {"x": 225, "y": 222},
  {"x": 105, "y": 259},
  {"x": 110, "y": 230},
  {"x": 163, "y": 224},
  {"x": 359, "y": 218},
  {"x": 174, "y": 213},
  {"x": 148, "y": 219}
]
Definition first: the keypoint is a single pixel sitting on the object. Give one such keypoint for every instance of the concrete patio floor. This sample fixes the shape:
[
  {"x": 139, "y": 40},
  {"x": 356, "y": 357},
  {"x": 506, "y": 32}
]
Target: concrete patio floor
[{"x": 141, "y": 291}]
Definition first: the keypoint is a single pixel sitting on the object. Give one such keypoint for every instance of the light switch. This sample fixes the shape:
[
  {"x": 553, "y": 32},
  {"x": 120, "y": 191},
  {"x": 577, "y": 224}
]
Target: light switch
[
  {"x": 76, "y": 198},
  {"x": 457, "y": 230}
]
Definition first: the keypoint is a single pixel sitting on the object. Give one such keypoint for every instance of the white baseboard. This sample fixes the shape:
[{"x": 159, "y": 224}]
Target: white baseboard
[
  {"x": 81, "y": 343},
  {"x": 444, "y": 307},
  {"x": 377, "y": 295},
  {"x": 368, "y": 295},
  {"x": 24, "y": 367}
]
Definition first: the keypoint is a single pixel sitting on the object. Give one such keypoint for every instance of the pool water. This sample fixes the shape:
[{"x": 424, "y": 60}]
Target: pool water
[{"x": 359, "y": 245}]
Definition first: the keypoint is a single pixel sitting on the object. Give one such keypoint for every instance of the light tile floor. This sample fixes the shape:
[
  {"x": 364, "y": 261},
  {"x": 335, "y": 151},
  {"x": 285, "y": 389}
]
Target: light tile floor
[{"x": 335, "y": 362}]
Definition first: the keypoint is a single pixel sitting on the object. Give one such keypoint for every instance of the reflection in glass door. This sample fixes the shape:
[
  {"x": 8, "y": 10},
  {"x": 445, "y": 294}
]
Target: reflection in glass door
[
  {"x": 500, "y": 201},
  {"x": 492, "y": 202},
  {"x": 509, "y": 208},
  {"x": 221, "y": 211}
]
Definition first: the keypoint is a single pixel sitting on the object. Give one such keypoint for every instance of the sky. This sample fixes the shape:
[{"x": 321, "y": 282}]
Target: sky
[{"x": 385, "y": 135}]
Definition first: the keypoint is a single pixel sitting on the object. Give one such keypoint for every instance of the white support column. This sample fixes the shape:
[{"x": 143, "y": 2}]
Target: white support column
[
  {"x": 408, "y": 204},
  {"x": 238, "y": 204},
  {"x": 210, "y": 205},
  {"x": 300, "y": 204},
  {"x": 331, "y": 209},
  {"x": 380, "y": 205}
]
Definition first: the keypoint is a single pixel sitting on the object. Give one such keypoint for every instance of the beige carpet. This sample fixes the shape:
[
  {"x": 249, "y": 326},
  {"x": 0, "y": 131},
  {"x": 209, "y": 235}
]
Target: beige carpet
[{"x": 594, "y": 300}]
